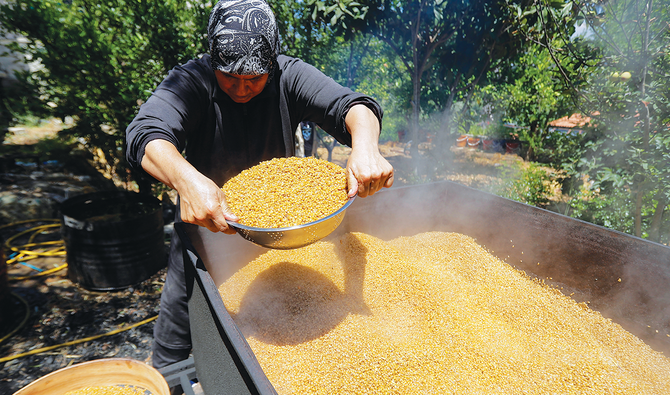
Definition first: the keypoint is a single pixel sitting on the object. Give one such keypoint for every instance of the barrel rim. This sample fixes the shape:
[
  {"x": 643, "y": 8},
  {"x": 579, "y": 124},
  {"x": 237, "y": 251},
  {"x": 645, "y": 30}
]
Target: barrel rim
[
  {"x": 93, "y": 244},
  {"x": 68, "y": 208}
]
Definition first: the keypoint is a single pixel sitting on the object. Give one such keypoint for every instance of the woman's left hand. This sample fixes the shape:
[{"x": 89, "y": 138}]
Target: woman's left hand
[
  {"x": 367, "y": 170},
  {"x": 367, "y": 173}
]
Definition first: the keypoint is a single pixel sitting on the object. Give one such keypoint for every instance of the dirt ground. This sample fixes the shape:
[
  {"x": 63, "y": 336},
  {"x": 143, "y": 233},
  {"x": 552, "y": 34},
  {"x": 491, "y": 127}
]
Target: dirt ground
[
  {"x": 53, "y": 311},
  {"x": 21, "y": 135},
  {"x": 470, "y": 167},
  {"x": 49, "y": 312}
]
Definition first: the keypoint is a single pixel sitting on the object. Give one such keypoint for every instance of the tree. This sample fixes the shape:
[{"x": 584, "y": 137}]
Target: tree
[
  {"x": 101, "y": 59},
  {"x": 445, "y": 46},
  {"x": 300, "y": 36},
  {"x": 413, "y": 30},
  {"x": 622, "y": 51},
  {"x": 634, "y": 110},
  {"x": 364, "y": 64},
  {"x": 534, "y": 96}
]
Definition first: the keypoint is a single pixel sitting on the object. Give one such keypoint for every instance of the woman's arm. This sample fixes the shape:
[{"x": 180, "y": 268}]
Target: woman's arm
[
  {"x": 368, "y": 171},
  {"x": 163, "y": 124},
  {"x": 201, "y": 201},
  {"x": 320, "y": 99}
]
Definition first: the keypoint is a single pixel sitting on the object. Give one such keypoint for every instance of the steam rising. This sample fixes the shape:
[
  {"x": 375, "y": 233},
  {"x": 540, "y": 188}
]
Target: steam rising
[{"x": 582, "y": 258}]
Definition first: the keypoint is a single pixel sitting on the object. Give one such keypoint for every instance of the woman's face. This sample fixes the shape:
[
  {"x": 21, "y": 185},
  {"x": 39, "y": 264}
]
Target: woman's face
[{"x": 241, "y": 88}]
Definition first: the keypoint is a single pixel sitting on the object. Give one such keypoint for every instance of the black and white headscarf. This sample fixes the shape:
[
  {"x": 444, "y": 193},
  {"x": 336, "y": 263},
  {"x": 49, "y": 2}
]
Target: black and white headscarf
[{"x": 243, "y": 37}]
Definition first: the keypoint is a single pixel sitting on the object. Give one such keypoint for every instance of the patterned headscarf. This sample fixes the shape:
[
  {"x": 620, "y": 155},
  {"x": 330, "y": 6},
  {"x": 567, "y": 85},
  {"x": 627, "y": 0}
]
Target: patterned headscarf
[{"x": 243, "y": 37}]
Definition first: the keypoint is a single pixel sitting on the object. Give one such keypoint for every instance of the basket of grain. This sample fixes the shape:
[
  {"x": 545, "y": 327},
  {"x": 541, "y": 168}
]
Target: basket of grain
[
  {"x": 287, "y": 203},
  {"x": 110, "y": 376}
]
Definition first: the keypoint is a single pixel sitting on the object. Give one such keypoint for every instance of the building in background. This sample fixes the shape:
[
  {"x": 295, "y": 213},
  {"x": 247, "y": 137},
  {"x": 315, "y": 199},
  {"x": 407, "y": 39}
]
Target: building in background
[{"x": 573, "y": 124}]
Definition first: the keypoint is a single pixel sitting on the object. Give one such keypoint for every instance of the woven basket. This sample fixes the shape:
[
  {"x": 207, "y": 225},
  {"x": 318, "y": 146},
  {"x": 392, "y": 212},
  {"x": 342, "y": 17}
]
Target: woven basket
[{"x": 101, "y": 372}]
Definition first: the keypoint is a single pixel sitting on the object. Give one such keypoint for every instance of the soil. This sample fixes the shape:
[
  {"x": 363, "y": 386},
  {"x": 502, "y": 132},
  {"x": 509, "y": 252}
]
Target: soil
[
  {"x": 60, "y": 311},
  {"x": 469, "y": 167},
  {"x": 44, "y": 311},
  {"x": 51, "y": 310}
]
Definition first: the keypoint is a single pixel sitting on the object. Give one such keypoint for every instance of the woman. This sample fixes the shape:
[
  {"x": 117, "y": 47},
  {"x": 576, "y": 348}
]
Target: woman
[{"x": 228, "y": 111}]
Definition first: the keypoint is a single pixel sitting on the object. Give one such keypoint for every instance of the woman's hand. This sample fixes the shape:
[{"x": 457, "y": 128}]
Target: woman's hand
[
  {"x": 201, "y": 201},
  {"x": 367, "y": 170}
]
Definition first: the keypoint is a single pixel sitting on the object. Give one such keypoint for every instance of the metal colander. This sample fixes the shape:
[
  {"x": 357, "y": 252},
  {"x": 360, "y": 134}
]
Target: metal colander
[{"x": 293, "y": 236}]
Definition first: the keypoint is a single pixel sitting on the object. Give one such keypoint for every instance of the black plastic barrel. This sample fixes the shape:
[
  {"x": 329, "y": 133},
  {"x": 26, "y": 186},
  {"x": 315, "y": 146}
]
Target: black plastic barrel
[{"x": 113, "y": 239}]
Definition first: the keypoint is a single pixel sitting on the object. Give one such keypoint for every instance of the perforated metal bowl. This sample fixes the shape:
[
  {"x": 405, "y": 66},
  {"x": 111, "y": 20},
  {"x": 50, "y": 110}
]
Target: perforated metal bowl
[{"x": 293, "y": 236}]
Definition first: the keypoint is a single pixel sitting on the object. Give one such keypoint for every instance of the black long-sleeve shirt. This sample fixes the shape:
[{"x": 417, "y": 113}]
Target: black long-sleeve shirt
[{"x": 220, "y": 137}]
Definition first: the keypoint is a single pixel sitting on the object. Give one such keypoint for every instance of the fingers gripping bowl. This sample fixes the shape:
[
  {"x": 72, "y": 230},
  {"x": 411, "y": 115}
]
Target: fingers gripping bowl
[
  {"x": 288, "y": 203},
  {"x": 294, "y": 236}
]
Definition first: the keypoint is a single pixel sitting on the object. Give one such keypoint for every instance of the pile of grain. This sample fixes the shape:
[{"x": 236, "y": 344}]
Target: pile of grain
[
  {"x": 284, "y": 192},
  {"x": 109, "y": 390},
  {"x": 429, "y": 314}
]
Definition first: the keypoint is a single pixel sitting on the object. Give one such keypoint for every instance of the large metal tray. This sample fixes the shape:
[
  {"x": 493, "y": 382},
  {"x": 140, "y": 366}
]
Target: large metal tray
[{"x": 583, "y": 259}]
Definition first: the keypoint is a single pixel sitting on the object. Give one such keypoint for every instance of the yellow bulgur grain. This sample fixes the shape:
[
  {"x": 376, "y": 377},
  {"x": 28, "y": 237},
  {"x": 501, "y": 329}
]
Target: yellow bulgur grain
[
  {"x": 109, "y": 390},
  {"x": 429, "y": 314},
  {"x": 284, "y": 192}
]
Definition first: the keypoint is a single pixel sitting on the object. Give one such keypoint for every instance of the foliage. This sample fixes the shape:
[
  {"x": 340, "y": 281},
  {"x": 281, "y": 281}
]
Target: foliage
[
  {"x": 616, "y": 64},
  {"x": 299, "y": 35},
  {"x": 533, "y": 99},
  {"x": 19, "y": 104},
  {"x": 444, "y": 46},
  {"x": 100, "y": 59},
  {"x": 630, "y": 91},
  {"x": 365, "y": 65},
  {"x": 564, "y": 151},
  {"x": 530, "y": 184},
  {"x": 341, "y": 11},
  {"x": 612, "y": 210}
]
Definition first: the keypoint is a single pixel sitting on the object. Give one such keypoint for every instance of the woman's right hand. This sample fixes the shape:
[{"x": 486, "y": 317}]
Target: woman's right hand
[{"x": 201, "y": 201}]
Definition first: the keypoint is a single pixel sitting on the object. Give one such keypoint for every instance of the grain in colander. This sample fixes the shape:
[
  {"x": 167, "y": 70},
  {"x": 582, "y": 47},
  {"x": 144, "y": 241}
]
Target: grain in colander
[{"x": 284, "y": 192}]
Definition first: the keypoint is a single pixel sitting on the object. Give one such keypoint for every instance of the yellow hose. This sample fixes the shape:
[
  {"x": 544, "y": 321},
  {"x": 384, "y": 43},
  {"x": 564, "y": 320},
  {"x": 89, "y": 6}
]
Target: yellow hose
[
  {"x": 25, "y": 253},
  {"x": 31, "y": 250},
  {"x": 78, "y": 341},
  {"x": 27, "y": 221},
  {"x": 40, "y": 274},
  {"x": 23, "y": 322},
  {"x": 36, "y": 231}
]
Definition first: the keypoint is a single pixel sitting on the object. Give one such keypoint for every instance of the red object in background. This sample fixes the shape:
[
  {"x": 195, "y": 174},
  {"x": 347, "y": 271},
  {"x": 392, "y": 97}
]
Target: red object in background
[
  {"x": 488, "y": 144},
  {"x": 512, "y": 146}
]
